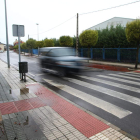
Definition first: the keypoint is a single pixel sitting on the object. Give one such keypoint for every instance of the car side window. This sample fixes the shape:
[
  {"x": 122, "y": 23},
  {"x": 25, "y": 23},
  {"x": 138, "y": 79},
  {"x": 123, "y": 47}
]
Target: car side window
[
  {"x": 43, "y": 53},
  {"x": 49, "y": 53},
  {"x": 52, "y": 53}
]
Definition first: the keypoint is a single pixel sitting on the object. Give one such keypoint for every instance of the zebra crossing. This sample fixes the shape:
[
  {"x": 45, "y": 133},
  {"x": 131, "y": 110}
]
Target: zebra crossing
[{"x": 91, "y": 83}]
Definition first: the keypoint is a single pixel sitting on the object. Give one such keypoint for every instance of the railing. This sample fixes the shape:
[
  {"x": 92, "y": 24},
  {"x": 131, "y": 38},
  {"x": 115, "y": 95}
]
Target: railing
[
  {"x": 106, "y": 54},
  {"x": 111, "y": 54}
]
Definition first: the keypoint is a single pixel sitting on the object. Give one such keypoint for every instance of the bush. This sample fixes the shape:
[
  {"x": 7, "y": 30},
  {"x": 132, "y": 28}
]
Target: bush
[{"x": 66, "y": 41}]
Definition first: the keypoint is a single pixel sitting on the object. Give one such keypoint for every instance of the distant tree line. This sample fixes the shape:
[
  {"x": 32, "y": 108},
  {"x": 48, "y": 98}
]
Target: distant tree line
[{"x": 112, "y": 37}]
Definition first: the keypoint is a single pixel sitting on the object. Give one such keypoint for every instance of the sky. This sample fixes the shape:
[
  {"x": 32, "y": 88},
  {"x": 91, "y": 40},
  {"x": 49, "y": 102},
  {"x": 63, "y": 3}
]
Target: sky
[{"x": 51, "y": 13}]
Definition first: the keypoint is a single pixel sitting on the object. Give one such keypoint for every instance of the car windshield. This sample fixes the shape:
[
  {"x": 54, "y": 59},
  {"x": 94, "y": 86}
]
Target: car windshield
[{"x": 63, "y": 52}]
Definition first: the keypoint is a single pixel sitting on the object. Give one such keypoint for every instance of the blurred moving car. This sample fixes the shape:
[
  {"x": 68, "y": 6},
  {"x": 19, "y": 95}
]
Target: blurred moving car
[{"x": 60, "y": 60}]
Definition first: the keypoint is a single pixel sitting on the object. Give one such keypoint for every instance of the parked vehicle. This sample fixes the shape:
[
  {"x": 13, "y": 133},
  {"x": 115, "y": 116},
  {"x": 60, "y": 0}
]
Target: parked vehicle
[
  {"x": 1, "y": 51},
  {"x": 60, "y": 60}
]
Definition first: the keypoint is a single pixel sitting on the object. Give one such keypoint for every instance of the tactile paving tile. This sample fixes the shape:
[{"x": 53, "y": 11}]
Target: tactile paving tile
[
  {"x": 82, "y": 121},
  {"x": 23, "y": 105},
  {"x": 8, "y": 108},
  {"x": 36, "y": 102}
]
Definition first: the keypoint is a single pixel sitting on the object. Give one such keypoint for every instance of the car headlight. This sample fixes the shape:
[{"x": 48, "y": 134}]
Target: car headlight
[{"x": 66, "y": 63}]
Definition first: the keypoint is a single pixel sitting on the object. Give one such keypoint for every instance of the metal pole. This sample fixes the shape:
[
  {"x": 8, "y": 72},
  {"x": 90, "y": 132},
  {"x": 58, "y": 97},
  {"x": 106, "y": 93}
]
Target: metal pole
[
  {"x": 77, "y": 36},
  {"x": 19, "y": 54},
  {"x": 7, "y": 42},
  {"x": 37, "y": 31},
  {"x": 38, "y": 36},
  {"x": 19, "y": 48}
]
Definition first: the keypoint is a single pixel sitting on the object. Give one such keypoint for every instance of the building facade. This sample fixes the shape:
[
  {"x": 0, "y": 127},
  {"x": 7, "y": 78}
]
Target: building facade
[
  {"x": 113, "y": 21},
  {"x": 2, "y": 47}
]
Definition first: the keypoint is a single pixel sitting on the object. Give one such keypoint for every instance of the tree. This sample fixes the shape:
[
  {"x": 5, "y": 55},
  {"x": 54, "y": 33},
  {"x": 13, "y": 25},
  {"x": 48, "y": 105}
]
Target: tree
[
  {"x": 23, "y": 46},
  {"x": 88, "y": 38},
  {"x": 16, "y": 47},
  {"x": 39, "y": 44},
  {"x": 66, "y": 41},
  {"x": 56, "y": 42},
  {"x": 133, "y": 35},
  {"x": 30, "y": 44},
  {"x": 48, "y": 43},
  {"x": 112, "y": 37}
]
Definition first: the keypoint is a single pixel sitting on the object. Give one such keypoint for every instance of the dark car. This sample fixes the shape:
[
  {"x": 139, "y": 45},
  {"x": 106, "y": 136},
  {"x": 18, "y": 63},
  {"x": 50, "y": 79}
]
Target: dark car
[{"x": 61, "y": 60}]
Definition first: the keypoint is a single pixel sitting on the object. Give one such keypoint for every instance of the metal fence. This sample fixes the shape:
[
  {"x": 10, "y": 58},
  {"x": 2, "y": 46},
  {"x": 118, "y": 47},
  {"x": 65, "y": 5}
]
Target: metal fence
[
  {"x": 33, "y": 51},
  {"x": 111, "y": 54},
  {"x": 107, "y": 54}
]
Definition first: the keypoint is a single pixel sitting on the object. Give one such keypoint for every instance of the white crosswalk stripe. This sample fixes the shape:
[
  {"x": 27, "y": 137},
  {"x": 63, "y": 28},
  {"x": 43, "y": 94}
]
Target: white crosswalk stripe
[
  {"x": 110, "y": 92},
  {"x": 127, "y": 77},
  {"x": 120, "y": 79},
  {"x": 129, "y": 74},
  {"x": 130, "y": 88},
  {"x": 113, "y": 80},
  {"x": 108, "y": 107},
  {"x": 134, "y": 73}
]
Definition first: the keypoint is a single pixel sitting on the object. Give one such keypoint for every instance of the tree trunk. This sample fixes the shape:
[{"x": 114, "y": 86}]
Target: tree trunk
[
  {"x": 31, "y": 51},
  {"x": 137, "y": 54},
  {"x": 88, "y": 53}
]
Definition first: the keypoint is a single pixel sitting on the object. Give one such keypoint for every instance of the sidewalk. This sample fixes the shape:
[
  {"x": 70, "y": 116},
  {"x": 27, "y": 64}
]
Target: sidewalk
[{"x": 31, "y": 111}]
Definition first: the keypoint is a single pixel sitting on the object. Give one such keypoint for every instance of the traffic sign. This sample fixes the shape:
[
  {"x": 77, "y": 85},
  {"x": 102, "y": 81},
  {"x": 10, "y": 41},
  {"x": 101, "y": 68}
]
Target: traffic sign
[{"x": 18, "y": 30}]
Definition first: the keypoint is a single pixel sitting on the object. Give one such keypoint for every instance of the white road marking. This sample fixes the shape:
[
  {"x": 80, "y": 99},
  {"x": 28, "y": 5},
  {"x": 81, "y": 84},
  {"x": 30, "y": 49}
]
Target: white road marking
[
  {"x": 39, "y": 74},
  {"x": 134, "y": 73},
  {"x": 119, "y": 79},
  {"x": 129, "y": 74},
  {"x": 127, "y": 77},
  {"x": 108, "y": 107},
  {"x": 112, "y": 83},
  {"x": 110, "y": 92}
]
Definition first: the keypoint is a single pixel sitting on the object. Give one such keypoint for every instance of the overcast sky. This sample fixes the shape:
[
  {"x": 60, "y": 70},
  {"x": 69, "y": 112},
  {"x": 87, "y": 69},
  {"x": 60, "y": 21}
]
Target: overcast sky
[{"x": 50, "y": 13}]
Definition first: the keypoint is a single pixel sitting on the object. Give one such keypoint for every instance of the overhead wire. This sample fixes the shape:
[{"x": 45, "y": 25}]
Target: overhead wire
[
  {"x": 88, "y": 13},
  {"x": 110, "y": 8},
  {"x": 57, "y": 25}
]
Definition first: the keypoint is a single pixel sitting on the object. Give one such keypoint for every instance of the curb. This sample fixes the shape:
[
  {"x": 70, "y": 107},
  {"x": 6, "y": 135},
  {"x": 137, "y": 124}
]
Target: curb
[{"x": 108, "y": 63}]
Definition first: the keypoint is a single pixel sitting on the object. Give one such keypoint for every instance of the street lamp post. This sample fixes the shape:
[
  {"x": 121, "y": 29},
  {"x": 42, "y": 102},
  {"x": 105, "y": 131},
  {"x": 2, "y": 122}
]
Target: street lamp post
[
  {"x": 7, "y": 42},
  {"x": 38, "y": 36},
  {"x": 37, "y": 31}
]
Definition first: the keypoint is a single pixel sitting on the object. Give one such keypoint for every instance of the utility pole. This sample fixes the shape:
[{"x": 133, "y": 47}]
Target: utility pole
[
  {"x": 7, "y": 42},
  {"x": 77, "y": 36},
  {"x": 28, "y": 37}
]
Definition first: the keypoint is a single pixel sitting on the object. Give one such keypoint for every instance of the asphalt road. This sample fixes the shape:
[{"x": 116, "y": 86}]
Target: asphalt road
[{"x": 113, "y": 96}]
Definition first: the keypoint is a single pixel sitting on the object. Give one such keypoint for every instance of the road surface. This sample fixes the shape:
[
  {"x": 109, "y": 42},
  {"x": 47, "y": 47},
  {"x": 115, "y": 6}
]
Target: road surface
[{"x": 113, "y": 96}]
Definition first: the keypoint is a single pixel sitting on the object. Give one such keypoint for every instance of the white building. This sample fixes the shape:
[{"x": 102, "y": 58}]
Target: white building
[
  {"x": 113, "y": 21},
  {"x": 2, "y": 47}
]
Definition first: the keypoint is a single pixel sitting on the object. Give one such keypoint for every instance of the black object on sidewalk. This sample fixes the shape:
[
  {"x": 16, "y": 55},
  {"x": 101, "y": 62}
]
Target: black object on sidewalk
[{"x": 23, "y": 69}]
